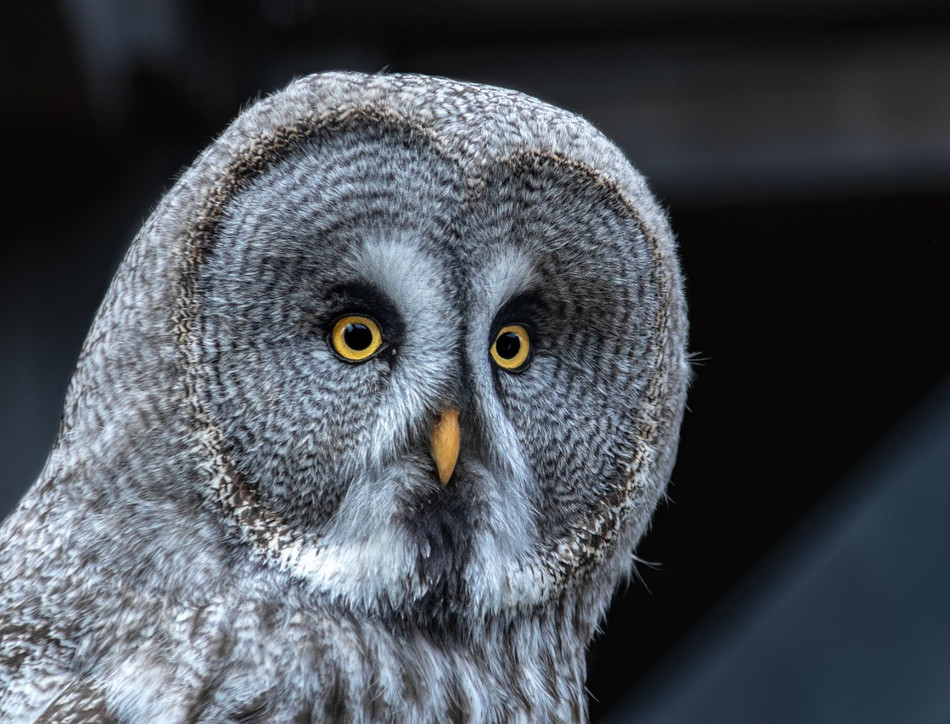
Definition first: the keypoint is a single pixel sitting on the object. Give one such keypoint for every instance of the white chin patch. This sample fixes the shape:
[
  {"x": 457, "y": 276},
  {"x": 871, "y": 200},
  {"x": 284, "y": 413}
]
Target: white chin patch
[{"x": 368, "y": 558}]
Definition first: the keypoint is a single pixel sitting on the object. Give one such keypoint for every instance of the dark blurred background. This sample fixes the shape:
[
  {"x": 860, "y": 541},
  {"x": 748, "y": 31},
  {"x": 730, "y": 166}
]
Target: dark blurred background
[{"x": 801, "y": 570}]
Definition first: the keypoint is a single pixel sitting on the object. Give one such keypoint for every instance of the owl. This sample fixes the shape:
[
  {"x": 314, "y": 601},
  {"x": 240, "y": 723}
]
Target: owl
[{"x": 367, "y": 427}]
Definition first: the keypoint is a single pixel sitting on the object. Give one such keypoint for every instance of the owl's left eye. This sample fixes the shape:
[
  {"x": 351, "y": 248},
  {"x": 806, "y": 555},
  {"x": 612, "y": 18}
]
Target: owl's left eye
[
  {"x": 511, "y": 348},
  {"x": 355, "y": 338}
]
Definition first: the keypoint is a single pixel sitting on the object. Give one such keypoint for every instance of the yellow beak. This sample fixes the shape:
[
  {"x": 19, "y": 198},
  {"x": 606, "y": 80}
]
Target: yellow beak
[{"x": 445, "y": 444}]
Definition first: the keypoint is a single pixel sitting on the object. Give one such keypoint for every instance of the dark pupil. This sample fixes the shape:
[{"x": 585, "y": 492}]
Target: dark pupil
[
  {"x": 508, "y": 345},
  {"x": 357, "y": 336}
]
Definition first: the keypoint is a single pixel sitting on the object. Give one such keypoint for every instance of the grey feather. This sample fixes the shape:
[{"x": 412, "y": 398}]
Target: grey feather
[{"x": 235, "y": 524}]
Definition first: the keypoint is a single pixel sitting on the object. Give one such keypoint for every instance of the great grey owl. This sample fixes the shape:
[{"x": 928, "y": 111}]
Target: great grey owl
[{"x": 367, "y": 427}]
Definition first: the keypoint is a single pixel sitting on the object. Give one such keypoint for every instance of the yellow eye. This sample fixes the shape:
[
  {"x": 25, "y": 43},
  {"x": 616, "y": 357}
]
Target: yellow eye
[
  {"x": 355, "y": 338},
  {"x": 511, "y": 347}
]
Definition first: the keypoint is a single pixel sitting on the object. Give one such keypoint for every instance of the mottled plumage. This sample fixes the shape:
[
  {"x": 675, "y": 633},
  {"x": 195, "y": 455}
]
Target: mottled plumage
[{"x": 239, "y": 523}]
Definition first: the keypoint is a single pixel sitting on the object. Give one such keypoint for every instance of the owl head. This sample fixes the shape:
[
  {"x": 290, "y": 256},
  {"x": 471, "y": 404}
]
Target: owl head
[{"x": 423, "y": 345}]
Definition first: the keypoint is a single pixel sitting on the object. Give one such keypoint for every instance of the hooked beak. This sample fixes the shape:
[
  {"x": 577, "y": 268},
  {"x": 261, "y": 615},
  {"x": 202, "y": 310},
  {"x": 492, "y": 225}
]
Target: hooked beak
[{"x": 444, "y": 444}]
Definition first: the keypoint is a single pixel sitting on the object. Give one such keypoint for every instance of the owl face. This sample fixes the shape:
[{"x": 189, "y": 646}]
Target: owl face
[
  {"x": 368, "y": 424},
  {"x": 362, "y": 285}
]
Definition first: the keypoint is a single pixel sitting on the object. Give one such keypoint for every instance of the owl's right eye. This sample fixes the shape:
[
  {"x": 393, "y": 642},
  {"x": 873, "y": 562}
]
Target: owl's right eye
[{"x": 355, "y": 338}]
